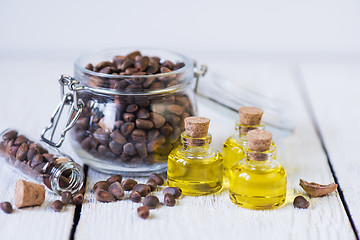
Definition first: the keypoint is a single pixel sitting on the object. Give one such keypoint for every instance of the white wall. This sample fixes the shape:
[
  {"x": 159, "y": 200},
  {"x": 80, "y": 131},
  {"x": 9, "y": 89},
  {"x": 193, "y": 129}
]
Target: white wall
[{"x": 247, "y": 27}]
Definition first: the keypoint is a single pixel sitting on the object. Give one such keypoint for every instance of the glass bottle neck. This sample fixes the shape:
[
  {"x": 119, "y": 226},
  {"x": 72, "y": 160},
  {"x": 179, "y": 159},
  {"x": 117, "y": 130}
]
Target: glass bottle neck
[
  {"x": 243, "y": 129},
  {"x": 261, "y": 161},
  {"x": 255, "y": 156},
  {"x": 190, "y": 142},
  {"x": 64, "y": 175}
]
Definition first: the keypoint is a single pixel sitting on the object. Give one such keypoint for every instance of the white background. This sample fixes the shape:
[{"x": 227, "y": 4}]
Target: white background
[{"x": 277, "y": 29}]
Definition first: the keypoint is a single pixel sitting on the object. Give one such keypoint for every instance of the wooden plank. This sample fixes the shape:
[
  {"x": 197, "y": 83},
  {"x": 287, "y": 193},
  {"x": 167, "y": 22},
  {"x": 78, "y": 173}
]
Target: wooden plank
[
  {"x": 216, "y": 217},
  {"x": 334, "y": 97},
  {"x": 36, "y": 222},
  {"x": 27, "y": 98}
]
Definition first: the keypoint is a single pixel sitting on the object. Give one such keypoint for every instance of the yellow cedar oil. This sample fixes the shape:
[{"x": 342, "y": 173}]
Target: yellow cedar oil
[
  {"x": 233, "y": 148},
  {"x": 194, "y": 166},
  {"x": 258, "y": 181}
]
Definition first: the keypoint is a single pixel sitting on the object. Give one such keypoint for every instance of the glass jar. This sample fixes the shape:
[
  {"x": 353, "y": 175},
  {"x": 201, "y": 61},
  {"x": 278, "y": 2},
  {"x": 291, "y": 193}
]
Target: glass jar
[
  {"x": 46, "y": 165},
  {"x": 128, "y": 124}
]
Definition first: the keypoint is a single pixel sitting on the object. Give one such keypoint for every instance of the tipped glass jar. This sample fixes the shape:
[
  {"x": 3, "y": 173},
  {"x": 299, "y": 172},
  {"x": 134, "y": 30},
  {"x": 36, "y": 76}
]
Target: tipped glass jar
[
  {"x": 130, "y": 108},
  {"x": 194, "y": 166},
  {"x": 258, "y": 181},
  {"x": 57, "y": 171}
]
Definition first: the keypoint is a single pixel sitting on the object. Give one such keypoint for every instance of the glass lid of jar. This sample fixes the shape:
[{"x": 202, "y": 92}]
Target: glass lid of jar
[{"x": 224, "y": 91}]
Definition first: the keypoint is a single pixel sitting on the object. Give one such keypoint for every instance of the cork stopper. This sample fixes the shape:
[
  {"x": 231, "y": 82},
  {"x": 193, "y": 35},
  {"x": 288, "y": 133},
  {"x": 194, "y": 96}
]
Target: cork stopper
[
  {"x": 196, "y": 127},
  {"x": 259, "y": 140},
  {"x": 28, "y": 194},
  {"x": 250, "y": 116}
]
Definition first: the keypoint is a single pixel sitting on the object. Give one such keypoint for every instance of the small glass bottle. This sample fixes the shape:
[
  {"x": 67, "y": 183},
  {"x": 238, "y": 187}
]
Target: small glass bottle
[
  {"x": 233, "y": 148},
  {"x": 194, "y": 166},
  {"x": 57, "y": 171},
  {"x": 258, "y": 181}
]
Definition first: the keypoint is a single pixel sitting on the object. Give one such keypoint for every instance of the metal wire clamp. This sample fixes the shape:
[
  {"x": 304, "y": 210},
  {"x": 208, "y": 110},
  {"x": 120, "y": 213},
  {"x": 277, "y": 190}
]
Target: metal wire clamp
[{"x": 70, "y": 98}]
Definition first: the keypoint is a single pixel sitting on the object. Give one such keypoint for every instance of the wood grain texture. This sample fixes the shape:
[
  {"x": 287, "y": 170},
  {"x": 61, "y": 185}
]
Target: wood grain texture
[
  {"x": 334, "y": 96},
  {"x": 27, "y": 99},
  {"x": 215, "y": 217},
  {"x": 34, "y": 222}
]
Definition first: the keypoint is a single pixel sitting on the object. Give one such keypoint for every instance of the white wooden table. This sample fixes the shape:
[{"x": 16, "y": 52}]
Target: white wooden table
[{"x": 323, "y": 148}]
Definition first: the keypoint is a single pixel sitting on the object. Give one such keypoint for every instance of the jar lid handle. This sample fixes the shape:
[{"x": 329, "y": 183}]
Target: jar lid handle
[
  {"x": 76, "y": 108},
  {"x": 199, "y": 72}
]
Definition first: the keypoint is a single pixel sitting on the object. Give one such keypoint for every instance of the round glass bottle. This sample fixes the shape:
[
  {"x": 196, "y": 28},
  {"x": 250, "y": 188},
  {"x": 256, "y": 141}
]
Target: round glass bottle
[
  {"x": 46, "y": 165},
  {"x": 258, "y": 181},
  {"x": 234, "y": 147},
  {"x": 194, "y": 166}
]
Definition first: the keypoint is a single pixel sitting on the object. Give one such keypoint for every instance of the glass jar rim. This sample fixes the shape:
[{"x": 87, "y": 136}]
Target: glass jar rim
[
  {"x": 187, "y": 61},
  {"x": 188, "y": 71}
]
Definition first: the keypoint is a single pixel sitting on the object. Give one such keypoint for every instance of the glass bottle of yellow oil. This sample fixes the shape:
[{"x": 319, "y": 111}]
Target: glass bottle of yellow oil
[
  {"x": 258, "y": 181},
  {"x": 233, "y": 148},
  {"x": 194, "y": 166}
]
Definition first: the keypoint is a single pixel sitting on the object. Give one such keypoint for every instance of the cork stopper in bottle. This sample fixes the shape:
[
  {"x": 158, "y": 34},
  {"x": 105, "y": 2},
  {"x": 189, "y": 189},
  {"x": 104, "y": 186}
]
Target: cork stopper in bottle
[
  {"x": 259, "y": 140},
  {"x": 196, "y": 127},
  {"x": 250, "y": 115}
]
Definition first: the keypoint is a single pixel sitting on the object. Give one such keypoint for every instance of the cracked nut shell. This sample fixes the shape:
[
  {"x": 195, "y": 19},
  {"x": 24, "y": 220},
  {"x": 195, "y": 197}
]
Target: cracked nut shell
[{"x": 317, "y": 190}]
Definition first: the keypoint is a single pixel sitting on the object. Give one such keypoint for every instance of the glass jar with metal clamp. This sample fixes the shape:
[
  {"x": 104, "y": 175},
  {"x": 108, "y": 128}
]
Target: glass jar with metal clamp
[{"x": 124, "y": 121}]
